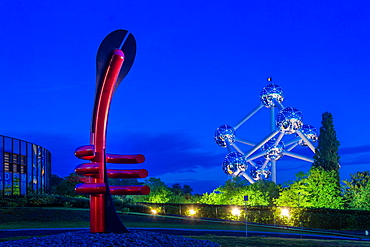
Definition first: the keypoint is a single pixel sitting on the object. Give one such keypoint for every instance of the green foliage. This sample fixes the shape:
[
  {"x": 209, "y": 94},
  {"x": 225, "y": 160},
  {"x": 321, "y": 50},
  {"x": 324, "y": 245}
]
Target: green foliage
[
  {"x": 229, "y": 193},
  {"x": 269, "y": 191},
  {"x": 13, "y": 201},
  {"x": 41, "y": 200},
  {"x": 55, "y": 180},
  {"x": 214, "y": 198},
  {"x": 323, "y": 188},
  {"x": 44, "y": 200},
  {"x": 356, "y": 191},
  {"x": 159, "y": 192},
  {"x": 176, "y": 189},
  {"x": 358, "y": 181},
  {"x": 123, "y": 182},
  {"x": 185, "y": 190},
  {"x": 162, "y": 193},
  {"x": 295, "y": 194},
  {"x": 181, "y": 194},
  {"x": 67, "y": 186},
  {"x": 178, "y": 199},
  {"x": 361, "y": 199},
  {"x": 139, "y": 207},
  {"x": 317, "y": 188},
  {"x": 47, "y": 217},
  {"x": 233, "y": 191},
  {"x": 261, "y": 214},
  {"x": 67, "y": 205},
  {"x": 326, "y": 154},
  {"x": 50, "y": 200},
  {"x": 122, "y": 202},
  {"x": 325, "y": 218}
]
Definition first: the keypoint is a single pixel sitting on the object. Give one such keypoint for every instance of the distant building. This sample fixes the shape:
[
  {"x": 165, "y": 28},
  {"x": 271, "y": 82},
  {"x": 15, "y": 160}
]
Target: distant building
[{"x": 25, "y": 167}]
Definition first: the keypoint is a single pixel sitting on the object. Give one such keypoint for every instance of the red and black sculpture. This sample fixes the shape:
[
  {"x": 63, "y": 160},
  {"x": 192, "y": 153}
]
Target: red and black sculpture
[{"x": 114, "y": 59}]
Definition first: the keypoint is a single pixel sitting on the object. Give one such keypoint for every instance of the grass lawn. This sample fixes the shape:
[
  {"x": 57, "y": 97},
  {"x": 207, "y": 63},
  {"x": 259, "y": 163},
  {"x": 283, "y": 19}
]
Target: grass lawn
[
  {"x": 28, "y": 218},
  {"x": 226, "y": 241}
]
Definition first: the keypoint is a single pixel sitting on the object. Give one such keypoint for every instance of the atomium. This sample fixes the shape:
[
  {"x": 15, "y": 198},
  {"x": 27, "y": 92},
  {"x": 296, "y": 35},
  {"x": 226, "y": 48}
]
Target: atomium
[
  {"x": 270, "y": 93},
  {"x": 289, "y": 120},
  {"x": 225, "y": 134},
  {"x": 272, "y": 150},
  {"x": 263, "y": 155},
  {"x": 310, "y": 133},
  {"x": 234, "y": 164}
]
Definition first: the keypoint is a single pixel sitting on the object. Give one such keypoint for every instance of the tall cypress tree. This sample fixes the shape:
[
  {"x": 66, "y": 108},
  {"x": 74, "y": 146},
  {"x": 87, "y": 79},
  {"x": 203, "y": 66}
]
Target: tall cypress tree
[{"x": 326, "y": 154}]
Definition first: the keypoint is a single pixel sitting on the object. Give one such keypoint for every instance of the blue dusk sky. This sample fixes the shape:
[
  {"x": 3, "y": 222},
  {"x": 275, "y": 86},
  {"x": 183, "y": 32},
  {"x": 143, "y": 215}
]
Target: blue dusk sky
[{"x": 199, "y": 64}]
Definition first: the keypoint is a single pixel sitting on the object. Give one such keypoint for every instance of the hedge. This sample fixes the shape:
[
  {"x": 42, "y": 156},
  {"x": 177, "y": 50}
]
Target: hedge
[{"x": 320, "y": 218}]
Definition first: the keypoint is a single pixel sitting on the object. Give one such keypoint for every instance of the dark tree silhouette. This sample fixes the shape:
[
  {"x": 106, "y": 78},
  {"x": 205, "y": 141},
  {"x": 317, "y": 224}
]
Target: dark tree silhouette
[
  {"x": 185, "y": 190},
  {"x": 326, "y": 154}
]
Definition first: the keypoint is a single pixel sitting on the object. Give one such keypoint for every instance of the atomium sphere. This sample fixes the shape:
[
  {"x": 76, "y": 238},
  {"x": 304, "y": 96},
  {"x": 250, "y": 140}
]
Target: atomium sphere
[
  {"x": 310, "y": 133},
  {"x": 257, "y": 172},
  {"x": 266, "y": 172},
  {"x": 273, "y": 152},
  {"x": 289, "y": 120},
  {"x": 234, "y": 164},
  {"x": 270, "y": 93},
  {"x": 224, "y": 133},
  {"x": 254, "y": 174}
]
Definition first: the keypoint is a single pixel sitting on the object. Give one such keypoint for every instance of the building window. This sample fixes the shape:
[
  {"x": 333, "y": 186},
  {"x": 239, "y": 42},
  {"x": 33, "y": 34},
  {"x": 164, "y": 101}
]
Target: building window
[
  {"x": 6, "y": 167},
  {"x": 15, "y": 168},
  {"x": 7, "y": 157},
  {"x": 23, "y": 159},
  {"x": 15, "y": 158}
]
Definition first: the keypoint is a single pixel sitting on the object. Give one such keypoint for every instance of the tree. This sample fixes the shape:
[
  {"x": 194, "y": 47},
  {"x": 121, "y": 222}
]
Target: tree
[
  {"x": 358, "y": 181},
  {"x": 229, "y": 193},
  {"x": 324, "y": 189},
  {"x": 214, "y": 198},
  {"x": 317, "y": 188},
  {"x": 176, "y": 189},
  {"x": 159, "y": 192},
  {"x": 123, "y": 181},
  {"x": 67, "y": 186},
  {"x": 361, "y": 199},
  {"x": 261, "y": 193},
  {"x": 295, "y": 193},
  {"x": 181, "y": 194},
  {"x": 326, "y": 153},
  {"x": 187, "y": 190},
  {"x": 55, "y": 180},
  {"x": 233, "y": 191},
  {"x": 355, "y": 190}
]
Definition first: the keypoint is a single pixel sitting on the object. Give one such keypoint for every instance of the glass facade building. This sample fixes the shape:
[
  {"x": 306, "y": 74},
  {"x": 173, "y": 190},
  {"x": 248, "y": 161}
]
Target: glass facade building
[{"x": 25, "y": 167}]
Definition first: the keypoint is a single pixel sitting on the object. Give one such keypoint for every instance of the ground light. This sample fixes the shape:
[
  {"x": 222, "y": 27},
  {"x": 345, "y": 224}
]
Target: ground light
[
  {"x": 285, "y": 212},
  {"x": 154, "y": 211},
  {"x": 192, "y": 212},
  {"x": 235, "y": 211}
]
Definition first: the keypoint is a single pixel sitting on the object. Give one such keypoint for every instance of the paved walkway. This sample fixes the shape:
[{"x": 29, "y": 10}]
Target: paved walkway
[{"x": 186, "y": 232}]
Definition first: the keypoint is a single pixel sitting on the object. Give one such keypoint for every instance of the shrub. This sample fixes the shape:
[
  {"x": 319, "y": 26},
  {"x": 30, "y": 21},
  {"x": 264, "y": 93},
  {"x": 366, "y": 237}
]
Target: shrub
[{"x": 41, "y": 200}]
